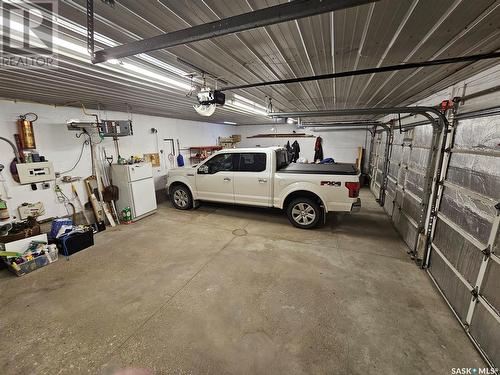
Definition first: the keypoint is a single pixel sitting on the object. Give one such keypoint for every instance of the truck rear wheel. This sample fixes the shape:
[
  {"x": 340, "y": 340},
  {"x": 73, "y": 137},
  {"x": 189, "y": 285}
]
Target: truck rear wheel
[
  {"x": 181, "y": 197},
  {"x": 304, "y": 213}
]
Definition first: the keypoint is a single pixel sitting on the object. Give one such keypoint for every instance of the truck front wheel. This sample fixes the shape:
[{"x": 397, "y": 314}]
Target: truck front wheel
[
  {"x": 181, "y": 197},
  {"x": 304, "y": 213}
]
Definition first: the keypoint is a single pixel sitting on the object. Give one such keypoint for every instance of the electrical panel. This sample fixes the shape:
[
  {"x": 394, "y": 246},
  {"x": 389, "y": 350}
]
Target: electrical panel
[
  {"x": 30, "y": 173},
  {"x": 112, "y": 128}
]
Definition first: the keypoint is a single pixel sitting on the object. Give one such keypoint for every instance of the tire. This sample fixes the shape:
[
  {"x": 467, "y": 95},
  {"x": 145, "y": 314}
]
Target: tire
[
  {"x": 304, "y": 213},
  {"x": 181, "y": 197}
]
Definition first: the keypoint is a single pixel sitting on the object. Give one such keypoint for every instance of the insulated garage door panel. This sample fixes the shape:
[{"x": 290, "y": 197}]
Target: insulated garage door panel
[
  {"x": 415, "y": 182},
  {"x": 408, "y": 162},
  {"x": 452, "y": 287},
  {"x": 479, "y": 133},
  {"x": 491, "y": 285},
  {"x": 398, "y": 199},
  {"x": 471, "y": 214},
  {"x": 406, "y": 155},
  {"x": 393, "y": 169},
  {"x": 419, "y": 158},
  {"x": 412, "y": 206},
  {"x": 378, "y": 179},
  {"x": 422, "y": 136},
  {"x": 462, "y": 254},
  {"x": 478, "y": 173},
  {"x": 405, "y": 227},
  {"x": 390, "y": 196},
  {"x": 397, "y": 152},
  {"x": 467, "y": 224},
  {"x": 402, "y": 177},
  {"x": 485, "y": 328}
]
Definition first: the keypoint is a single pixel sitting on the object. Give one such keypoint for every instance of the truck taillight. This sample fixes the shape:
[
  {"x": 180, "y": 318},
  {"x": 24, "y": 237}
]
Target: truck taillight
[{"x": 353, "y": 189}]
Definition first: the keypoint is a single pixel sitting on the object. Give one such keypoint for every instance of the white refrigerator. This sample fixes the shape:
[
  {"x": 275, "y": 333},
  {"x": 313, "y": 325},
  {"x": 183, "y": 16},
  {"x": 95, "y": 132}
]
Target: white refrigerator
[{"x": 136, "y": 188}]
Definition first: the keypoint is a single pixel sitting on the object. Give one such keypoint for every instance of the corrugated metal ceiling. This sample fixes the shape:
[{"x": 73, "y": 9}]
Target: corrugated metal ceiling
[{"x": 377, "y": 34}]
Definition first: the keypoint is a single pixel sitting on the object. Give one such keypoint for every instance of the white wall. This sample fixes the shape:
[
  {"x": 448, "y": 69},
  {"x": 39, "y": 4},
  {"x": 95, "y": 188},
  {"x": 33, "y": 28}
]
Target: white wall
[
  {"x": 339, "y": 145},
  {"x": 60, "y": 146}
]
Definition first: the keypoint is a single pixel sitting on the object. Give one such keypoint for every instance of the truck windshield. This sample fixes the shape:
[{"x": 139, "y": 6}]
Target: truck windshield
[{"x": 281, "y": 159}]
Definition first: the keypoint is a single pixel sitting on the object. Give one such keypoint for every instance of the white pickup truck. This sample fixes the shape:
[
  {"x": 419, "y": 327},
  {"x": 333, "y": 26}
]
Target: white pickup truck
[{"x": 264, "y": 177}]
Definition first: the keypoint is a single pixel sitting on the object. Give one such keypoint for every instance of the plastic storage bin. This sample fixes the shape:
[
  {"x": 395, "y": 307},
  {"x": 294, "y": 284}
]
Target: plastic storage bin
[{"x": 30, "y": 266}]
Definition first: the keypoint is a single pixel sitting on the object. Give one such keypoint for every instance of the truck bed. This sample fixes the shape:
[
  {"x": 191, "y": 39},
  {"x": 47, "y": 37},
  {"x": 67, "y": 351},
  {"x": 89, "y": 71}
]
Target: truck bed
[{"x": 337, "y": 168}]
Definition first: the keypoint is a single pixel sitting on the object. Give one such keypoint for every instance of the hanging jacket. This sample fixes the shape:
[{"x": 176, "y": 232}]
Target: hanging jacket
[
  {"x": 289, "y": 150},
  {"x": 295, "y": 151},
  {"x": 318, "y": 149}
]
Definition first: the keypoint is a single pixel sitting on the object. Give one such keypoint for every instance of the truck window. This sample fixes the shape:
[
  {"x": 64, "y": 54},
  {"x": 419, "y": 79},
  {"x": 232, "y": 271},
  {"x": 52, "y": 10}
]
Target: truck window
[
  {"x": 219, "y": 163},
  {"x": 252, "y": 162},
  {"x": 281, "y": 159}
]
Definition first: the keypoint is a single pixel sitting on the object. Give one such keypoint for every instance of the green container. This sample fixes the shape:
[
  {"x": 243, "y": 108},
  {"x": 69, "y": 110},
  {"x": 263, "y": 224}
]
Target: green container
[{"x": 127, "y": 214}]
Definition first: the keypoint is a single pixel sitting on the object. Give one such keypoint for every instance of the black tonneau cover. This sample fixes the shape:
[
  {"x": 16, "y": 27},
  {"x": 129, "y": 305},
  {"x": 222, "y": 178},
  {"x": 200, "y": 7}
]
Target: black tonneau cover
[{"x": 337, "y": 168}]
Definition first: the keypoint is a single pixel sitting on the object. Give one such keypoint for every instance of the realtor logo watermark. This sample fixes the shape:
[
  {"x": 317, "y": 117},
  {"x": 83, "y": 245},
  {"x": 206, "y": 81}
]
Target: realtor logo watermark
[
  {"x": 28, "y": 34},
  {"x": 474, "y": 370}
]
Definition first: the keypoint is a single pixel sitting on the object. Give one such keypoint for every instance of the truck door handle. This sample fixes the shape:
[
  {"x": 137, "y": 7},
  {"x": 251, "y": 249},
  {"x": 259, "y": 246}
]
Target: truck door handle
[
  {"x": 262, "y": 180},
  {"x": 227, "y": 179}
]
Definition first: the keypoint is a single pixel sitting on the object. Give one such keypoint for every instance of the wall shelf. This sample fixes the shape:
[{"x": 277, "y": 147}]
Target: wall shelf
[
  {"x": 282, "y": 135},
  {"x": 199, "y": 153}
]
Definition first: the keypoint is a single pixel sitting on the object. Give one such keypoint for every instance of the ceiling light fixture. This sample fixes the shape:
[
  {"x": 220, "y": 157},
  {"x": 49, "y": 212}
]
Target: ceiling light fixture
[
  {"x": 230, "y": 123},
  {"x": 99, "y": 38},
  {"x": 243, "y": 99},
  {"x": 246, "y": 107},
  {"x": 65, "y": 44}
]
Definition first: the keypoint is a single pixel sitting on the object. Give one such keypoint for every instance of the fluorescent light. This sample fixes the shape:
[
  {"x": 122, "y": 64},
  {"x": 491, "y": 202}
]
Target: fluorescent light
[
  {"x": 149, "y": 73},
  {"x": 230, "y": 123},
  {"x": 238, "y": 104},
  {"x": 246, "y": 107},
  {"x": 243, "y": 99},
  {"x": 114, "y": 61},
  {"x": 112, "y": 43}
]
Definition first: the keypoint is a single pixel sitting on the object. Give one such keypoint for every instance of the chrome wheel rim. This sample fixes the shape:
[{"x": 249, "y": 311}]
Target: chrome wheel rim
[
  {"x": 181, "y": 198},
  {"x": 303, "y": 214}
]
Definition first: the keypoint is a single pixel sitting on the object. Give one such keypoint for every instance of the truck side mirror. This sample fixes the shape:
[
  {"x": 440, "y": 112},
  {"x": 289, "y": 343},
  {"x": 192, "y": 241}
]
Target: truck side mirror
[{"x": 203, "y": 169}]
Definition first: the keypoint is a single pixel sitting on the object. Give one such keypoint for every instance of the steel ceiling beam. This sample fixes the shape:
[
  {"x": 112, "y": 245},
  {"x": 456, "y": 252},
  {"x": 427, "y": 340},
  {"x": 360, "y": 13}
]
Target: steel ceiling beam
[
  {"x": 382, "y": 69},
  {"x": 341, "y": 123},
  {"x": 263, "y": 17},
  {"x": 421, "y": 110}
]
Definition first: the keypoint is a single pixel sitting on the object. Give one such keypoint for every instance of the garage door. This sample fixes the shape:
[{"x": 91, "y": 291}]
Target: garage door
[
  {"x": 464, "y": 260},
  {"x": 409, "y": 167},
  {"x": 377, "y": 162}
]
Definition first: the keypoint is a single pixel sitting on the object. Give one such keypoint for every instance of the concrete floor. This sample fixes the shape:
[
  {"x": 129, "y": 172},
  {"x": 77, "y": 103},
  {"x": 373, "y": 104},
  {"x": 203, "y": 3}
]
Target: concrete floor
[{"x": 226, "y": 290}]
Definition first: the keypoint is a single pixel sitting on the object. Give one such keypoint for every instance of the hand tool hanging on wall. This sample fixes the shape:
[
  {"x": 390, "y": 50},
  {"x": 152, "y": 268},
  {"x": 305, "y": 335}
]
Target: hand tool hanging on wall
[{"x": 171, "y": 155}]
